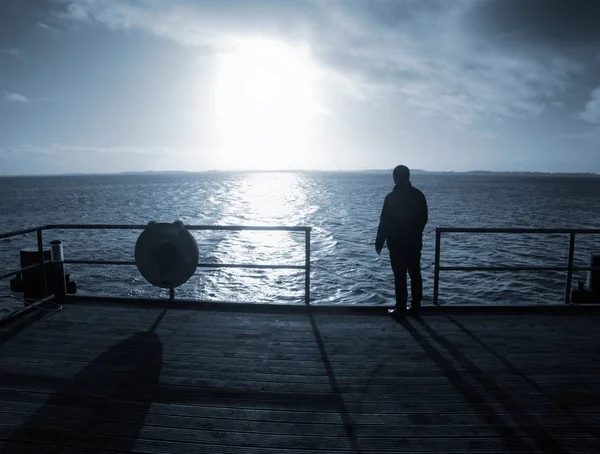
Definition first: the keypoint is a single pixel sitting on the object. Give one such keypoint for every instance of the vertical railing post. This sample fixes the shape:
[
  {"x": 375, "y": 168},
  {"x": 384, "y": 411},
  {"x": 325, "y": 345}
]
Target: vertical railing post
[
  {"x": 40, "y": 246},
  {"x": 570, "y": 267},
  {"x": 307, "y": 266},
  {"x": 436, "y": 273}
]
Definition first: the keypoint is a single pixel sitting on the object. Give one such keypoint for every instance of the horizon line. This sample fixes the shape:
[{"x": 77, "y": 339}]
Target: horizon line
[{"x": 380, "y": 170}]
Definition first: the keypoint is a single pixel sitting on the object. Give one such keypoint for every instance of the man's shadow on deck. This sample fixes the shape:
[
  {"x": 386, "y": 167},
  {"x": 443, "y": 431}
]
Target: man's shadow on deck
[
  {"x": 62, "y": 421},
  {"x": 477, "y": 398}
]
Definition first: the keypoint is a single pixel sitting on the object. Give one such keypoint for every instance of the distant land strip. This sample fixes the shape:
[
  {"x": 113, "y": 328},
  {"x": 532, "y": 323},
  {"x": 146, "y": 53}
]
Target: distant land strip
[{"x": 378, "y": 171}]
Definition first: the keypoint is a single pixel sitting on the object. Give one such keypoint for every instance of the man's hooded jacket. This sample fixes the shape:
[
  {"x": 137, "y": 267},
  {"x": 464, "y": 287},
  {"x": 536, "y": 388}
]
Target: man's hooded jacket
[{"x": 403, "y": 216}]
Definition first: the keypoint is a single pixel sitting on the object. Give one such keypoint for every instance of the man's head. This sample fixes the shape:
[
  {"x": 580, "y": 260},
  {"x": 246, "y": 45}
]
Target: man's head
[{"x": 401, "y": 174}]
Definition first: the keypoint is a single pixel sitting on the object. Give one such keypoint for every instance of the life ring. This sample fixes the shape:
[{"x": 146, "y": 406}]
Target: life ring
[{"x": 166, "y": 254}]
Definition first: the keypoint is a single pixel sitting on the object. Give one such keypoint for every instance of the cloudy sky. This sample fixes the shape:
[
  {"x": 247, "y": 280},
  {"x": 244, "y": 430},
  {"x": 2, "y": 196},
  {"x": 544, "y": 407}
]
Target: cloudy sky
[{"x": 133, "y": 85}]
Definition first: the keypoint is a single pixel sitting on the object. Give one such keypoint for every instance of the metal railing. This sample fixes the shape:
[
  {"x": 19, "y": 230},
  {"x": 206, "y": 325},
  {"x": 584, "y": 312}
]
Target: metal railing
[
  {"x": 569, "y": 268},
  {"x": 40, "y": 246}
]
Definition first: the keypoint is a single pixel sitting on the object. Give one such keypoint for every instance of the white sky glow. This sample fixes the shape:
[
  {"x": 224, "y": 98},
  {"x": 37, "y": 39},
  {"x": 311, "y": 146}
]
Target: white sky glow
[{"x": 265, "y": 103}]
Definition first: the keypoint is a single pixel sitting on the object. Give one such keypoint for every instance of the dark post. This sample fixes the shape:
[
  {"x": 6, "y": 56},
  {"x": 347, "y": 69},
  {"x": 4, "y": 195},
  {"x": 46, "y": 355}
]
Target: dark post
[
  {"x": 307, "y": 267},
  {"x": 171, "y": 293},
  {"x": 40, "y": 246},
  {"x": 58, "y": 268},
  {"x": 436, "y": 273},
  {"x": 570, "y": 267}
]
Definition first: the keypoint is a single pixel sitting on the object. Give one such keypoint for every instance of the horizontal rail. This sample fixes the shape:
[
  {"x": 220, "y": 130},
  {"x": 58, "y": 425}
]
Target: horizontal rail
[
  {"x": 514, "y": 230},
  {"x": 20, "y": 232},
  {"x": 200, "y": 265},
  {"x": 188, "y": 227},
  {"x": 21, "y": 270},
  {"x": 516, "y": 268}
]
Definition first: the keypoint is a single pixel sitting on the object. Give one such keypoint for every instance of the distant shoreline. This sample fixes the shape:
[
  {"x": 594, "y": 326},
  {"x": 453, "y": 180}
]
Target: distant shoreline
[{"x": 376, "y": 171}]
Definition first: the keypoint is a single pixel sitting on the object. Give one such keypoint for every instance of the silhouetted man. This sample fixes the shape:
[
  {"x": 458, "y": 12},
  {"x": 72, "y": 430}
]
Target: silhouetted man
[{"x": 401, "y": 225}]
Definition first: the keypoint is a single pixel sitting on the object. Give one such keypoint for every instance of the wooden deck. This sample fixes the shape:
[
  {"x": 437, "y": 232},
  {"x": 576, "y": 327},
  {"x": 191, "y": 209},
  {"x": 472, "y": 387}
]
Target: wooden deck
[{"x": 107, "y": 379}]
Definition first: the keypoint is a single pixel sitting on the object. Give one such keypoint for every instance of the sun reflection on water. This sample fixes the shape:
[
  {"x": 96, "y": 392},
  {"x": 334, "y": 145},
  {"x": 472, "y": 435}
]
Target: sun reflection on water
[{"x": 264, "y": 199}]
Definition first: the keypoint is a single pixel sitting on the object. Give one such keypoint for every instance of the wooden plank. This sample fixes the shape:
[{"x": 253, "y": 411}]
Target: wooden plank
[
  {"x": 16, "y": 400},
  {"x": 154, "y": 439},
  {"x": 26, "y": 447},
  {"x": 350, "y": 393},
  {"x": 189, "y": 429},
  {"x": 360, "y": 367},
  {"x": 269, "y": 401},
  {"x": 388, "y": 375},
  {"x": 405, "y": 348},
  {"x": 232, "y": 418},
  {"x": 246, "y": 355}
]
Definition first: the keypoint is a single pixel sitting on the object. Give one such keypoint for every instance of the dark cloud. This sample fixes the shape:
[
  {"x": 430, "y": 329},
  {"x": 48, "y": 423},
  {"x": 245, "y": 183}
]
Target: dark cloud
[
  {"x": 18, "y": 17},
  {"x": 568, "y": 23},
  {"x": 393, "y": 13}
]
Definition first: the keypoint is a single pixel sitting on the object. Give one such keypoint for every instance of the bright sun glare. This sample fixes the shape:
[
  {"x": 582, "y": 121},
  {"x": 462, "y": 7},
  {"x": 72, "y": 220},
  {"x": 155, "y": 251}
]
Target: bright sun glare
[{"x": 265, "y": 101}]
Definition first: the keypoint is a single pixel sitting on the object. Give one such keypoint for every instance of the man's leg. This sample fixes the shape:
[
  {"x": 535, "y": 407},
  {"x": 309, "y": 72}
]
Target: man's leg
[
  {"x": 399, "y": 262},
  {"x": 416, "y": 281}
]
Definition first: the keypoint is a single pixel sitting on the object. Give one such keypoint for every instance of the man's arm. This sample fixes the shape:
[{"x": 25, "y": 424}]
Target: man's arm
[
  {"x": 381, "y": 230},
  {"x": 424, "y": 212}
]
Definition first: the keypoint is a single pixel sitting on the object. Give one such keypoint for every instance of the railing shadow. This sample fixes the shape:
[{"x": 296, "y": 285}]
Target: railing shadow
[
  {"x": 537, "y": 435},
  {"x": 511, "y": 438},
  {"x": 564, "y": 407},
  {"x": 349, "y": 426},
  {"x": 52, "y": 425},
  {"x": 18, "y": 325}
]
